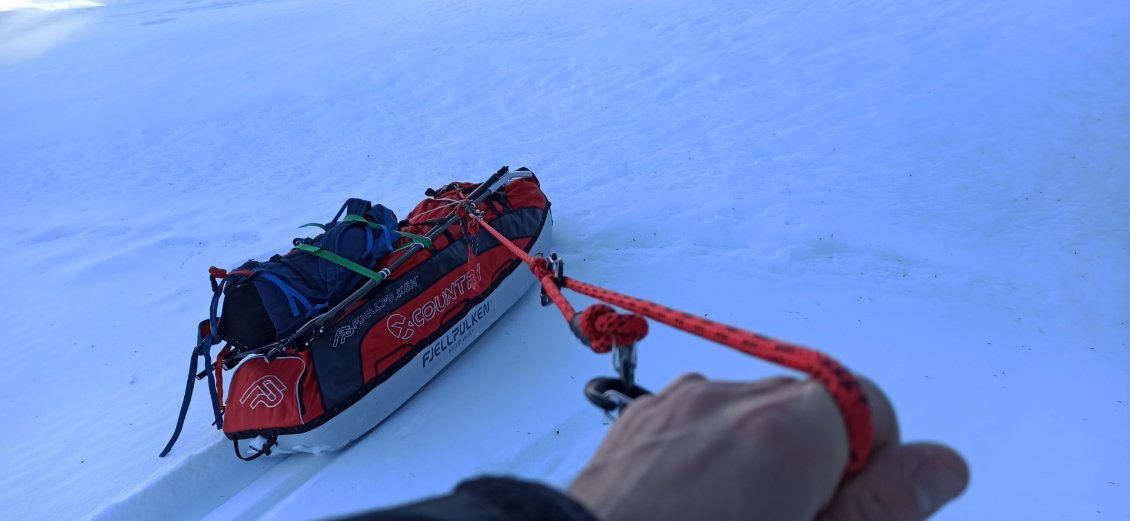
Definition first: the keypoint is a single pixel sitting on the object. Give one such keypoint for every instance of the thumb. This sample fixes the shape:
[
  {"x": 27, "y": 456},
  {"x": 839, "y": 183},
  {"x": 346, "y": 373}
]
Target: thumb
[{"x": 904, "y": 483}]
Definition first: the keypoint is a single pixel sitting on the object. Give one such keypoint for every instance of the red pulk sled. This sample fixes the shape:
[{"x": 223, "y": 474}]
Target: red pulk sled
[
  {"x": 311, "y": 370},
  {"x": 340, "y": 373}
]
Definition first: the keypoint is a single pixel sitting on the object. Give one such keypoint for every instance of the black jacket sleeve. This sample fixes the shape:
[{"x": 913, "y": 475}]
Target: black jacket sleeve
[{"x": 487, "y": 499}]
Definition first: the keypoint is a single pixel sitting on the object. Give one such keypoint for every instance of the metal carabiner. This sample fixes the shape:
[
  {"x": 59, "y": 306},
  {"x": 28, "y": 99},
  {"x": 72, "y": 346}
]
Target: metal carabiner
[
  {"x": 624, "y": 362},
  {"x": 610, "y": 395},
  {"x": 613, "y": 395}
]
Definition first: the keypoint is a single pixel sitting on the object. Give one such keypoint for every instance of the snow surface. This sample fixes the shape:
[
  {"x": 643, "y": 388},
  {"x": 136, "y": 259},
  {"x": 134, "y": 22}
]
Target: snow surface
[{"x": 933, "y": 192}]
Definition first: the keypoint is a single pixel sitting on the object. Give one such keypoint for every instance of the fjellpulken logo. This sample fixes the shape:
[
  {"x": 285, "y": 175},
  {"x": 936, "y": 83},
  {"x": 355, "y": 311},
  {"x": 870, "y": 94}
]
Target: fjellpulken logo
[{"x": 267, "y": 391}]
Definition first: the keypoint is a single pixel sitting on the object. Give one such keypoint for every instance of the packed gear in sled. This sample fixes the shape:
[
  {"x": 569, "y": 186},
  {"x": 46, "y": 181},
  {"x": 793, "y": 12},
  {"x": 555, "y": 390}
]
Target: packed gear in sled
[
  {"x": 266, "y": 301},
  {"x": 327, "y": 340}
]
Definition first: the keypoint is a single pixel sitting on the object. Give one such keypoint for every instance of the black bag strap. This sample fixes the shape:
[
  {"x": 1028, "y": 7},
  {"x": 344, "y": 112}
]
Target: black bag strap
[
  {"x": 265, "y": 450},
  {"x": 205, "y": 338},
  {"x": 353, "y": 206}
]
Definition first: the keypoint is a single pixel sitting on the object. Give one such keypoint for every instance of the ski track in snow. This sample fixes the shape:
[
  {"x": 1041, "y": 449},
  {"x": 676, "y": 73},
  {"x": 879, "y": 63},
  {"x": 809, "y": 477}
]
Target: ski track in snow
[{"x": 933, "y": 193}]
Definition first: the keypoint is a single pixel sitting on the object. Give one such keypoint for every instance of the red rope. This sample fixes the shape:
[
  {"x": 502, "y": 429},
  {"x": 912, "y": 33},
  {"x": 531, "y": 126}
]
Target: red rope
[
  {"x": 541, "y": 271},
  {"x": 841, "y": 384}
]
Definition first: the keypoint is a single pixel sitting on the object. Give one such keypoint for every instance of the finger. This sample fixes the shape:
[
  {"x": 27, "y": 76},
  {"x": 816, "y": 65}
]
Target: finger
[
  {"x": 683, "y": 381},
  {"x": 690, "y": 395},
  {"x": 650, "y": 401},
  {"x": 637, "y": 415},
  {"x": 884, "y": 422},
  {"x": 725, "y": 388},
  {"x": 731, "y": 389},
  {"x": 804, "y": 416},
  {"x": 907, "y": 483}
]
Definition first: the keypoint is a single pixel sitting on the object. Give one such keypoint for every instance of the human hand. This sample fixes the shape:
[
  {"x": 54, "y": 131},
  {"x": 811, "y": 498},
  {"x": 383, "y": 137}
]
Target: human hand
[{"x": 770, "y": 450}]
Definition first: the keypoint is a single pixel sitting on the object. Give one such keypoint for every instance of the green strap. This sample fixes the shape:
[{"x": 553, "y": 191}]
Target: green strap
[
  {"x": 418, "y": 239},
  {"x": 357, "y": 218},
  {"x": 421, "y": 240},
  {"x": 403, "y": 247},
  {"x": 340, "y": 261},
  {"x": 316, "y": 225}
]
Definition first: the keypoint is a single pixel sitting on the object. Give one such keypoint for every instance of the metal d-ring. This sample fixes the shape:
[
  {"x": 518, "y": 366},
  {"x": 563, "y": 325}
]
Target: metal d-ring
[{"x": 557, "y": 266}]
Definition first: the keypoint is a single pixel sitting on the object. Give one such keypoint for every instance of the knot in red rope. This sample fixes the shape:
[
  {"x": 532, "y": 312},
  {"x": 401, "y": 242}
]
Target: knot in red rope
[
  {"x": 605, "y": 328},
  {"x": 540, "y": 267}
]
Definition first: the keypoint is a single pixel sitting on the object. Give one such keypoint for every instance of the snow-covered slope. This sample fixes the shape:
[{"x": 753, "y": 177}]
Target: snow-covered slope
[{"x": 933, "y": 192}]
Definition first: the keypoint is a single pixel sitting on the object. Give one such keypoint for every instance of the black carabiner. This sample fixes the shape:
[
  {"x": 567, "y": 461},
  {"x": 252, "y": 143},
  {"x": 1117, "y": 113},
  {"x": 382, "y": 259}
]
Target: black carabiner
[{"x": 610, "y": 394}]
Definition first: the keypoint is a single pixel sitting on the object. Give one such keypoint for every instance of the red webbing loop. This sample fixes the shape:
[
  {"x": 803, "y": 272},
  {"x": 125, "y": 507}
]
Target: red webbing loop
[
  {"x": 841, "y": 384},
  {"x": 605, "y": 328},
  {"x": 221, "y": 273},
  {"x": 220, "y": 375}
]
